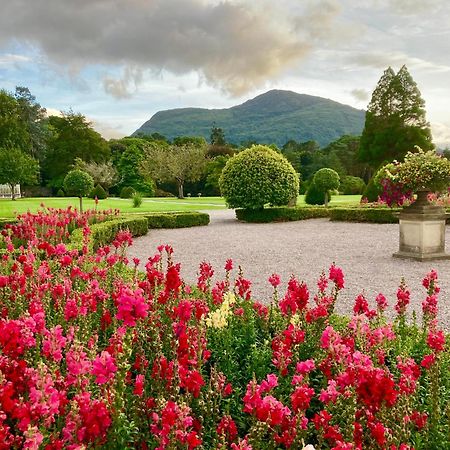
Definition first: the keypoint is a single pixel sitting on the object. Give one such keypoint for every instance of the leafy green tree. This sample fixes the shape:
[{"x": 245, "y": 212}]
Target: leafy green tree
[
  {"x": 257, "y": 176},
  {"x": 33, "y": 116},
  {"x": 103, "y": 174},
  {"x": 195, "y": 141},
  {"x": 79, "y": 184},
  {"x": 217, "y": 136},
  {"x": 213, "y": 172},
  {"x": 72, "y": 137},
  {"x": 395, "y": 120},
  {"x": 16, "y": 167},
  {"x": 179, "y": 163},
  {"x": 325, "y": 180},
  {"x": 13, "y": 130}
]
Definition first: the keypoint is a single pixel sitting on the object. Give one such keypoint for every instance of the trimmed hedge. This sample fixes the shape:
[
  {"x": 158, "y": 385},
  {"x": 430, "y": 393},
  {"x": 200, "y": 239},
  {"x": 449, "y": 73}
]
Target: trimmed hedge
[
  {"x": 103, "y": 233},
  {"x": 372, "y": 215},
  {"x": 281, "y": 214},
  {"x": 181, "y": 219}
]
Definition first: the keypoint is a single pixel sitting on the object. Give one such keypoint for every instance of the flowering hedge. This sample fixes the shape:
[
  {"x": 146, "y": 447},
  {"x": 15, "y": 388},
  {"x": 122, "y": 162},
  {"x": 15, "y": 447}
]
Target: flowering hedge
[{"x": 94, "y": 353}]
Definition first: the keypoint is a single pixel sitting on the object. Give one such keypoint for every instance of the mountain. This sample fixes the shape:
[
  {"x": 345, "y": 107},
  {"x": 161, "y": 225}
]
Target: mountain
[{"x": 274, "y": 117}]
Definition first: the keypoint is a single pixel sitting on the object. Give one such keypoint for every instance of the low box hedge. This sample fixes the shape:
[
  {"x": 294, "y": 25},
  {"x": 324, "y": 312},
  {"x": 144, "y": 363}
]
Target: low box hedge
[
  {"x": 103, "y": 233},
  {"x": 181, "y": 219},
  {"x": 363, "y": 214},
  {"x": 281, "y": 214}
]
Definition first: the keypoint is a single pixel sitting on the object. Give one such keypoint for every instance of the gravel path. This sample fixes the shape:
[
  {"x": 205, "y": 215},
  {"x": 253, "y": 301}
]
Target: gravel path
[{"x": 303, "y": 248}]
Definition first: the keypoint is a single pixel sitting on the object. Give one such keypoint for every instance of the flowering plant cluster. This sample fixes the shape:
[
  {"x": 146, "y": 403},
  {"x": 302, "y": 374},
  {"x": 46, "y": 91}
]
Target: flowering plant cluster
[
  {"x": 422, "y": 171},
  {"x": 95, "y": 353}
]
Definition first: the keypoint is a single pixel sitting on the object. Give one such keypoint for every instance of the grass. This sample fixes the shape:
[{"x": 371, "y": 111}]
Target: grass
[{"x": 9, "y": 208}]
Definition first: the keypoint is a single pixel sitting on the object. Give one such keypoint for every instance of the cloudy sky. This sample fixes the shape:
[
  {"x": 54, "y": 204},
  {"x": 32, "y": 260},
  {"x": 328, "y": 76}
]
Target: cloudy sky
[{"x": 120, "y": 61}]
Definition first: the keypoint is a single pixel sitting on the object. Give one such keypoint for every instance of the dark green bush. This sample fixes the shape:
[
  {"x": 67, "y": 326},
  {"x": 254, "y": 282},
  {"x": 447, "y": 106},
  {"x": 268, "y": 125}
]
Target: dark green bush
[
  {"x": 60, "y": 193},
  {"x": 99, "y": 192},
  {"x": 352, "y": 185},
  {"x": 280, "y": 214},
  {"x": 103, "y": 233},
  {"x": 256, "y": 177},
  {"x": 363, "y": 214},
  {"x": 177, "y": 219},
  {"x": 372, "y": 191},
  {"x": 163, "y": 193},
  {"x": 127, "y": 192},
  {"x": 314, "y": 196}
]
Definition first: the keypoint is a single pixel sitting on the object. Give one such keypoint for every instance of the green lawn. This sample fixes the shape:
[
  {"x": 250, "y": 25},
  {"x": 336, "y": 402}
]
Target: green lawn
[{"x": 8, "y": 208}]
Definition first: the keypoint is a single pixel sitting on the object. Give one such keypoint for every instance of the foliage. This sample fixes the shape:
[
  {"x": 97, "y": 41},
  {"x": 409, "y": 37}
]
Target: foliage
[
  {"x": 273, "y": 117},
  {"x": 314, "y": 195},
  {"x": 213, "y": 171},
  {"x": 326, "y": 180},
  {"x": 136, "y": 200},
  {"x": 422, "y": 170},
  {"x": 16, "y": 167},
  {"x": 217, "y": 136},
  {"x": 95, "y": 354},
  {"x": 364, "y": 214},
  {"x": 372, "y": 191},
  {"x": 257, "y": 176},
  {"x": 127, "y": 192},
  {"x": 79, "y": 184},
  {"x": 280, "y": 214},
  {"x": 179, "y": 163},
  {"x": 60, "y": 193},
  {"x": 72, "y": 136},
  {"x": 395, "y": 120},
  {"x": 98, "y": 192},
  {"x": 104, "y": 173},
  {"x": 177, "y": 219},
  {"x": 352, "y": 185}
]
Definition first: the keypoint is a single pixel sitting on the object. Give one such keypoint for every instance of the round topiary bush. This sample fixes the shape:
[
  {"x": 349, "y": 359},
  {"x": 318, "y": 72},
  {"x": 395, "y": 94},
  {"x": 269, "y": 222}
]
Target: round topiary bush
[
  {"x": 79, "y": 184},
  {"x": 314, "y": 196},
  {"x": 127, "y": 192},
  {"x": 99, "y": 192},
  {"x": 325, "y": 180},
  {"x": 352, "y": 185},
  {"x": 257, "y": 176}
]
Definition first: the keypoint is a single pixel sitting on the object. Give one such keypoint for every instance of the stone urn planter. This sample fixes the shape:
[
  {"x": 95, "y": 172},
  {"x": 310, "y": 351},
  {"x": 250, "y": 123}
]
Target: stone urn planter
[{"x": 422, "y": 230}]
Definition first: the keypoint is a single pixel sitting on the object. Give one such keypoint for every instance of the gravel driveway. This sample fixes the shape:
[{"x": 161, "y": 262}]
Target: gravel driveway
[{"x": 303, "y": 248}]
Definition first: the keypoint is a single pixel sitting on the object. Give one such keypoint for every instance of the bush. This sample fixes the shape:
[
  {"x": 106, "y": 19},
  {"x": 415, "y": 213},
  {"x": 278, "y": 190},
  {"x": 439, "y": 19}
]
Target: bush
[
  {"x": 99, "y": 192},
  {"x": 5, "y": 221},
  {"x": 137, "y": 200},
  {"x": 314, "y": 196},
  {"x": 372, "y": 191},
  {"x": 104, "y": 233},
  {"x": 60, "y": 193},
  {"x": 163, "y": 193},
  {"x": 257, "y": 176},
  {"x": 280, "y": 214},
  {"x": 127, "y": 192},
  {"x": 78, "y": 183},
  {"x": 177, "y": 219},
  {"x": 363, "y": 214},
  {"x": 352, "y": 185},
  {"x": 326, "y": 180}
]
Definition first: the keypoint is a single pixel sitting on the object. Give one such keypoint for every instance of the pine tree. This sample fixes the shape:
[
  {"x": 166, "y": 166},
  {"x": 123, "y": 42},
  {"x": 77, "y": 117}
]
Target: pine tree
[{"x": 395, "y": 120}]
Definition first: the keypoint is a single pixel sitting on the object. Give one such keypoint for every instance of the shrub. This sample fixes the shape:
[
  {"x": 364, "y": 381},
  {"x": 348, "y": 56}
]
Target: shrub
[
  {"x": 280, "y": 214},
  {"x": 127, "y": 192},
  {"x": 137, "y": 200},
  {"x": 352, "y": 185},
  {"x": 79, "y": 184},
  {"x": 256, "y": 177},
  {"x": 177, "y": 219},
  {"x": 99, "y": 192},
  {"x": 326, "y": 180},
  {"x": 163, "y": 193},
  {"x": 60, "y": 193},
  {"x": 364, "y": 214},
  {"x": 372, "y": 191},
  {"x": 314, "y": 196}
]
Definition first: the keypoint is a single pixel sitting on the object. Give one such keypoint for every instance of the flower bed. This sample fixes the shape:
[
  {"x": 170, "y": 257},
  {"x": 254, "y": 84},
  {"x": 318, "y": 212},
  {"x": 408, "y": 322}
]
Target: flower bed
[{"x": 93, "y": 353}]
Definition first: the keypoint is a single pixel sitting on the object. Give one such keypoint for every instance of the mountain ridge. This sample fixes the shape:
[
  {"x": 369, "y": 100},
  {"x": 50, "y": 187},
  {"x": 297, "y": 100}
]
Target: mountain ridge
[{"x": 275, "y": 116}]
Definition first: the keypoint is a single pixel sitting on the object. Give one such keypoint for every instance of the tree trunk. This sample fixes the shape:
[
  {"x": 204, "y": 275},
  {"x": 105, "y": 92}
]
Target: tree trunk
[
  {"x": 81, "y": 204},
  {"x": 180, "y": 189},
  {"x": 326, "y": 199},
  {"x": 13, "y": 194}
]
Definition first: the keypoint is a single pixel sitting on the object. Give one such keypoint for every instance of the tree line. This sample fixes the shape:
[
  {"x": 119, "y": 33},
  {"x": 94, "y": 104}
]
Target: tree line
[{"x": 39, "y": 149}]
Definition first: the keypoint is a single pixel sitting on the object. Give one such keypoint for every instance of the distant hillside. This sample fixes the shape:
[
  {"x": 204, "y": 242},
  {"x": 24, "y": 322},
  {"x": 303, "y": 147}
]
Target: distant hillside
[{"x": 274, "y": 117}]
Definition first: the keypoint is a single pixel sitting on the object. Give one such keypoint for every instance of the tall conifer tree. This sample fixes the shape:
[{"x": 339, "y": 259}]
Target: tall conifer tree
[{"x": 395, "y": 120}]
